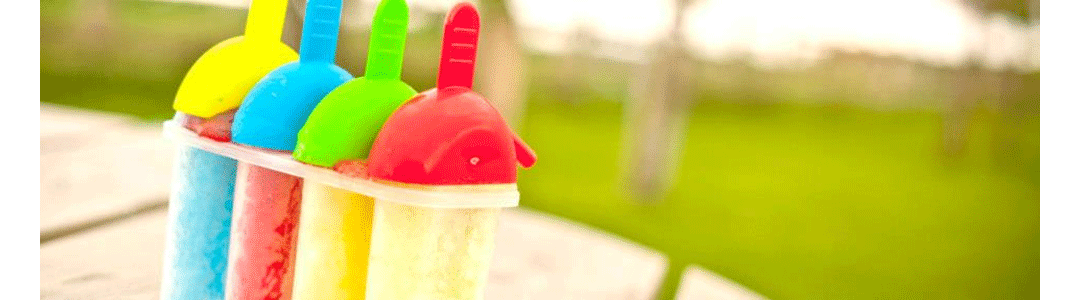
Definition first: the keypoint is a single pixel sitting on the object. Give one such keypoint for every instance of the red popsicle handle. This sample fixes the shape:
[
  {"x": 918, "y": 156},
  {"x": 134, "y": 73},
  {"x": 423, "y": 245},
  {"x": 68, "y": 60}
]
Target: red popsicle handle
[
  {"x": 460, "y": 34},
  {"x": 525, "y": 155}
]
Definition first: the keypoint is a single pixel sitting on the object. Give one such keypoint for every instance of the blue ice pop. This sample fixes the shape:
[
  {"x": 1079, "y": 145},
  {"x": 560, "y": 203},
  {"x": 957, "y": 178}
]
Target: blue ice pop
[
  {"x": 201, "y": 202},
  {"x": 200, "y": 213}
]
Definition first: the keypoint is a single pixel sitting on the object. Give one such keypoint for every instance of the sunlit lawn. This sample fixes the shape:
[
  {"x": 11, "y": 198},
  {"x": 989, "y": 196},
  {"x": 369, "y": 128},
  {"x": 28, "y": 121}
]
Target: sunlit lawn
[{"x": 805, "y": 202}]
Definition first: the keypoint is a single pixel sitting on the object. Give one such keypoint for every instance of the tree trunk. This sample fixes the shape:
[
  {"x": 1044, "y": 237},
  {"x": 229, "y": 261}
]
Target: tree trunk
[
  {"x": 655, "y": 122},
  {"x": 294, "y": 23},
  {"x": 96, "y": 31},
  {"x": 655, "y": 117},
  {"x": 503, "y": 66}
]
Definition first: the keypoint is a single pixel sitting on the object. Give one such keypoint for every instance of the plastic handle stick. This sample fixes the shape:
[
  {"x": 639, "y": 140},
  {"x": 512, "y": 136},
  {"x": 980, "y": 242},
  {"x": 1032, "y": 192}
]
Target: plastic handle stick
[
  {"x": 460, "y": 34},
  {"x": 318, "y": 42},
  {"x": 266, "y": 19},
  {"x": 386, "y": 49},
  {"x": 524, "y": 154}
]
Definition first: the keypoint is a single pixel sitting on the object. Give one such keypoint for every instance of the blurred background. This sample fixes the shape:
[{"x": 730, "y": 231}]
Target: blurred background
[{"x": 804, "y": 149}]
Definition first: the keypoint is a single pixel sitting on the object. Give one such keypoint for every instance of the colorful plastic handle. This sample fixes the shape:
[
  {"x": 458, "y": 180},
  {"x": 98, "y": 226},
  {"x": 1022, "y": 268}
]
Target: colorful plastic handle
[
  {"x": 343, "y": 125},
  {"x": 318, "y": 42},
  {"x": 450, "y": 135},
  {"x": 265, "y": 20},
  {"x": 386, "y": 48},
  {"x": 460, "y": 35},
  {"x": 276, "y": 108},
  {"x": 220, "y": 79}
]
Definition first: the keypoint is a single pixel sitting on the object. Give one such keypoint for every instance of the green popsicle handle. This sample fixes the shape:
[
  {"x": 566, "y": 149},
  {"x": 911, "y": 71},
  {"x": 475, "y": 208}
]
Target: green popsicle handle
[{"x": 386, "y": 49}]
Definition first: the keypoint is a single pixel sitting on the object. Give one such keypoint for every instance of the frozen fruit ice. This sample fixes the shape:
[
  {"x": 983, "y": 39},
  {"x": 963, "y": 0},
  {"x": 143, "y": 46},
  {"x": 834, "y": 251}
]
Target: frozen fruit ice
[
  {"x": 218, "y": 128},
  {"x": 355, "y": 168}
]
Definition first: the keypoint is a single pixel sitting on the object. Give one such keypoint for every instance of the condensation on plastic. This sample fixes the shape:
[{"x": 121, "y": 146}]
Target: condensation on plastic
[
  {"x": 334, "y": 236},
  {"x": 263, "y": 246},
  {"x": 200, "y": 212},
  {"x": 456, "y": 196},
  {"x": 430, "y": 253}
]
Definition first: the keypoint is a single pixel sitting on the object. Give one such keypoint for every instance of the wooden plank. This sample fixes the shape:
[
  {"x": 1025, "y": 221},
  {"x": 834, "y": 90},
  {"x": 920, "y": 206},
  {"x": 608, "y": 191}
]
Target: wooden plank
[
  {"x": 543, "y": 257},
  {"x": 117, "y": 261},
  {"x": 536, "y": 257},
  {"x": 105, "y": 136},
  {"x": 89, "y": 184},
  {"x": 699, "y": 283},
  {"x": 68, "y": 129},
  {"x": 96, "y": 166},
  {"x": 59, "y": 120}
]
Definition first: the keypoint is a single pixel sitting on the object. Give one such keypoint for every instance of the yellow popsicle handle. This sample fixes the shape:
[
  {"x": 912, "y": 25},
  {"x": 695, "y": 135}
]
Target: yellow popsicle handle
[
  {"x": 223, "y": 75},
  {"x": 266, "y": 20}
]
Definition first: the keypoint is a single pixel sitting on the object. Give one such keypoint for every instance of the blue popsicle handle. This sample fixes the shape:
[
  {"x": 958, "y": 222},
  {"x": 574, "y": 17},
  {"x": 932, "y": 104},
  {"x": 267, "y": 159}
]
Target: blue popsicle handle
[
  {"x": 200, "y": 214},
  {"x": 318, "y": 41}
]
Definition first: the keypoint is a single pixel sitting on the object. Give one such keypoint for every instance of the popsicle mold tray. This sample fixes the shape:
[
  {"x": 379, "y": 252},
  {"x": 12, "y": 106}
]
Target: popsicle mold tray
[{"x": 433, "y": 196}]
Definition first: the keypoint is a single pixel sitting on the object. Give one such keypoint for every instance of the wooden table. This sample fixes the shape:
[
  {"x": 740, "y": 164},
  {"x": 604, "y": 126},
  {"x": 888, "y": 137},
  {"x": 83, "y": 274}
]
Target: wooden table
[{"x": 104, "y": 188}]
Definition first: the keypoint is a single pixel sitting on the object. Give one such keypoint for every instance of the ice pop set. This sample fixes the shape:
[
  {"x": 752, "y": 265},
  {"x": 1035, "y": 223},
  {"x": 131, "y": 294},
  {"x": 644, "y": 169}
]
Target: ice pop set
[{"x": 295, "y": 181}]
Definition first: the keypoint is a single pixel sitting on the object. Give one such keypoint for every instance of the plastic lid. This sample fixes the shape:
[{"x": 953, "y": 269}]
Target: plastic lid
[
  {"x": 345, "y": 122},
  {"x": 277, "y": 107},
  {"x": 222, "y": 76},
  {"x": 450, "y": 135},
  {"x": 456, "y": 196}
]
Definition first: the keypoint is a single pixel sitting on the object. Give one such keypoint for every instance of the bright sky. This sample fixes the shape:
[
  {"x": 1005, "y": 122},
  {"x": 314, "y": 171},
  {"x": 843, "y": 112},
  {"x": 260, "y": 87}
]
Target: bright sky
[{"x": 780, "y": 33}]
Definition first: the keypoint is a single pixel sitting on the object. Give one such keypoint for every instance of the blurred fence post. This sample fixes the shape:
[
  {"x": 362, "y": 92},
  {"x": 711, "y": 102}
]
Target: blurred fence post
[
  {"x": 574, "y": 70},
  {"x": 503, "y": 66},
  {"x": 654, "y": 118},
  {"x": 958, "y": 110},
  {"x": 972, "y": 81},
  {"x": 96, "y": 28},
  {"x": 294, "y": 23}
]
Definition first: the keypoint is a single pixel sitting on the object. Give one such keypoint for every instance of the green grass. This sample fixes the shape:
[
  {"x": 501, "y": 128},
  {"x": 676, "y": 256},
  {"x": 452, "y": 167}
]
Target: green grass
[{"x": 805, "y": 202}]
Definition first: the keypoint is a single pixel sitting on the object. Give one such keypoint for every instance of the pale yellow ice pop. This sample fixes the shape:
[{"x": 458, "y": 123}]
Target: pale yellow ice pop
[
  {"x": 430, "y": 253},
  {"x": 448, "y": 139}
]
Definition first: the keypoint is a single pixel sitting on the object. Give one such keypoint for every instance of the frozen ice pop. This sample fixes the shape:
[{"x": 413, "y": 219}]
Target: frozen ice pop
[
  {"x": 262, "y": 250},
  {"x": 200, "y": 204},
  {"x": 448, "y": 137},
  {"x": 335, "y": 224},
  {"x": 200, "y": 208}
]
